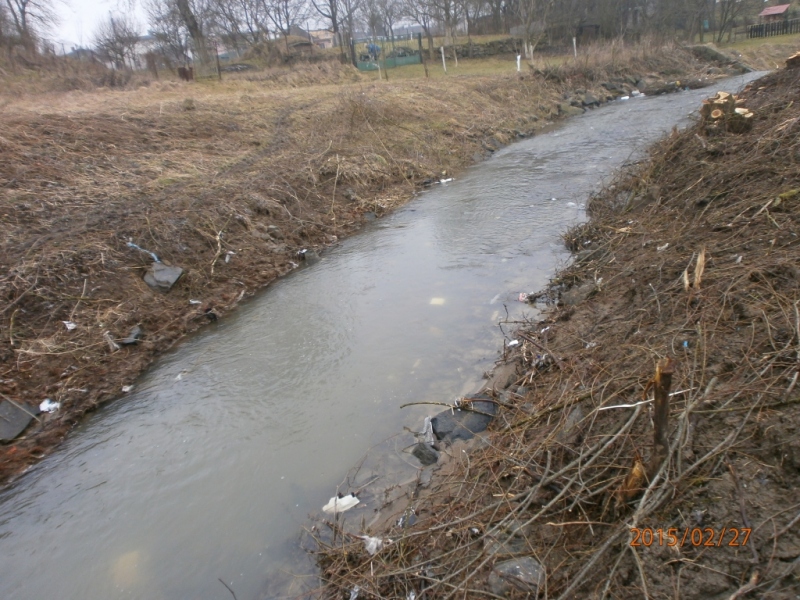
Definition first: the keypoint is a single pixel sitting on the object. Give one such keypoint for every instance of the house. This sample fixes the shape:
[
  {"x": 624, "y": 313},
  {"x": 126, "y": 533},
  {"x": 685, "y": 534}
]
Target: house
[
  {"x": 773, "y": 14},
  {"x": 323, "y": 38}
]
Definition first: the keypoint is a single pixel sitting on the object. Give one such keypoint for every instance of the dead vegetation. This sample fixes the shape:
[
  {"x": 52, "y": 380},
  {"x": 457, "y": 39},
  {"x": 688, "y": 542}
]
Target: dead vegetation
[{"x": 691, "y": 258}]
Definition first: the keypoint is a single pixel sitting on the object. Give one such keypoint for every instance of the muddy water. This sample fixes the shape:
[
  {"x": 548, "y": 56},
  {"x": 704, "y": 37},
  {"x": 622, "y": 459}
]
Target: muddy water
[{"x": 209, "y": 468}]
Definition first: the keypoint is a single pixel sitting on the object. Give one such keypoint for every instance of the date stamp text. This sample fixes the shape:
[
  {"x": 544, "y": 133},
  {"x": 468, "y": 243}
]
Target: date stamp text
[{"x": 691, "y": 536}]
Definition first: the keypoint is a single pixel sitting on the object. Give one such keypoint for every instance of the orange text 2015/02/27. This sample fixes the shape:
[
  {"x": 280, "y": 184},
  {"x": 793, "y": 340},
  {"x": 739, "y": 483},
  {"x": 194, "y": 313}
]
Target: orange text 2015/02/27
[{"x": 692, "y": 536}]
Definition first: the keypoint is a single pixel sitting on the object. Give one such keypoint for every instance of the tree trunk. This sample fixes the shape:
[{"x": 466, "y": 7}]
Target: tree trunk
[{"x": 196, "y": 33}]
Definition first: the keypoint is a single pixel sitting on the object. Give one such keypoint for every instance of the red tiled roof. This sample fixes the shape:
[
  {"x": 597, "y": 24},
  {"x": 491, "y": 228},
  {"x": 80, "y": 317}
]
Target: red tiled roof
[{"x": 774, "y": 10}]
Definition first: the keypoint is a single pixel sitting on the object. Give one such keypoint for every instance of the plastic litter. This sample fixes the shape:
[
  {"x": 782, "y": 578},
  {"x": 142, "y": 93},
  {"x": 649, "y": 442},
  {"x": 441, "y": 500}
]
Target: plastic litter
[
  {"x": 228, "y": 255},
  {"x": 195, "y": 301},
  {"x": 354, "y": 593},
  {"x": 513, "y": 343},
  {"x": 412, "y": 595},
  {"x": 48, "y": 406},
  {"x": 69, "y": 325},
  {"x": 372, "y": 544},
  {"x": 625, "y": 98},
  {"x": 339, "y": 504},
  {"x": 427, "y": 432},
  {"x": 523, "y": 297},
  {"x": 112, "y": 345},
  {"x": 662, "y": 248},
  {"x": 152, "y": 254},
  {"x": 448, "y": 180},
  {"x": 127, "y": 388}
]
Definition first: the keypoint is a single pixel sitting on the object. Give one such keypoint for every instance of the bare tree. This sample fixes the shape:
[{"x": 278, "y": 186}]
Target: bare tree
[
  {"x": 167, "y": 26},
  {"x": 30, "y": 18},
  {"x": 241, "y": 21},
  {"x": 115, "y": 41},
  {"x": 286, "y": 14},
  {"x": 422, "y": 12}
]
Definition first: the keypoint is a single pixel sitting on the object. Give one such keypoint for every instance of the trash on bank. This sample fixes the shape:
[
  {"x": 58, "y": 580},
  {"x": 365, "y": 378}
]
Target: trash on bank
[
  {"x": 427, "y": 432},
  {"x": 228, "y": 255},
  {"x": 373, "y": 544},
  {"x": 69, "y": 325},
  {"x": 662, "y": 248},
  {"x": 354, "y": 593},
  {"x": 152, "y": 254},
  {"x": 513, "y": 343},
  {"x": 112, "y": 345},
  {"x": 195, "y": 301},
  {"x": 437, "y": 301},
  {"x": 339, "y": 504},
  {"x": 127, "y": 388},
  {"x": 48, "y": 406},
  {"x": 133, "y": 336},
  {"x": 523, "y": 297}
]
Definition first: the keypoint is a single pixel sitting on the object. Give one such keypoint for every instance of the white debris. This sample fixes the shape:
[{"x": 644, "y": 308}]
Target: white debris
[
  {"x": 523, "y": 297},
  {"x": 437, "y": 301},
  {"x": 739, "y": 259},
  {"x": 195, "y": 301},
  {"x": 127, "y": 388},
  {"x": 372, "y": 544},
  {"x": 662, "y": 248},
  {"x": 446, "y": 180},
  {"x": 513, "y": 343},
  {"x": 69, "y": 325},
  {"x": 339, "y": 505},
  {"x": 228, "y": 255},
  {"x": 625, "y": 98},
  {"x": 354, "y": 593},
  {"x": 412, "y": 595},
  {"x": 427, "y": 432},
  {"x": 48, "y": 406}
]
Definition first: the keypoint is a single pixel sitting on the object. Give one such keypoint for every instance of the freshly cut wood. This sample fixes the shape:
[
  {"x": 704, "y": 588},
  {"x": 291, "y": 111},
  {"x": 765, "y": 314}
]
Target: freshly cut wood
[{"x": 717, "y": 113}]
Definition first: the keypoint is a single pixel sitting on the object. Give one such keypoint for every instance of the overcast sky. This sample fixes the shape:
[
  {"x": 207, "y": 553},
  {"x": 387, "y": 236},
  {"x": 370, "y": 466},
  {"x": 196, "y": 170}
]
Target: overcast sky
[{"x": 78, "y": 19}]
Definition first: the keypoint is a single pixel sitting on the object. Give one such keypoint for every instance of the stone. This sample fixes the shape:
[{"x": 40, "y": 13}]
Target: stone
[
  {"x": 569, "y": 111},
  {"x": 509, "y": 540},
  {"x": 578, "y": 294},
  {"x": 425, "y": 454},
  {"x": 13, "y": 420},
  {"x": 522, "y": 574},
  {"x": 162, "y": 277},
  {"x": 590, "y": 100},
  {"x": 133, "y": 337},
  {"x": 309, "y": 256},
  {"x": 451, "y": 425}
]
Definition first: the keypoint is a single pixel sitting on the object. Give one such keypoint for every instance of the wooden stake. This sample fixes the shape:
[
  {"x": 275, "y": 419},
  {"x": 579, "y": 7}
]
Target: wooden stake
[{"x": 661, "y": 384}]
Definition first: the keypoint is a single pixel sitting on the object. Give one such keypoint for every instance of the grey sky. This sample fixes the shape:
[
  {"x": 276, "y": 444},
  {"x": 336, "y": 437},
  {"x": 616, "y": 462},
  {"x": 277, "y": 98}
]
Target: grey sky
[{"x": 78, "y": 19}]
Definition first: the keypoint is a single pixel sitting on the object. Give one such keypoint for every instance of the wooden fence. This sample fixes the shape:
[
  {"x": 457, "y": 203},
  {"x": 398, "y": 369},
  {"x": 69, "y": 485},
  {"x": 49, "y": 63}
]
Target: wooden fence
[{"x": 777, "y": 28}]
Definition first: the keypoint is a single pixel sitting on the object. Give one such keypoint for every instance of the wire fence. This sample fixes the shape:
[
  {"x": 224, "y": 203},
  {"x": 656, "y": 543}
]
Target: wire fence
[{"x": 378, "y": 53}]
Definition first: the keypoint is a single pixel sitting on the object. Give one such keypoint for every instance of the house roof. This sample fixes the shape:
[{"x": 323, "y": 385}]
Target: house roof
[{"x": 774, "y": 10}]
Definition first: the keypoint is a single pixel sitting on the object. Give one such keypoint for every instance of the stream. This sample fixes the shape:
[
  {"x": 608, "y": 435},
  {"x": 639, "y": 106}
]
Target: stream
[{"x": 211, "y": 466}]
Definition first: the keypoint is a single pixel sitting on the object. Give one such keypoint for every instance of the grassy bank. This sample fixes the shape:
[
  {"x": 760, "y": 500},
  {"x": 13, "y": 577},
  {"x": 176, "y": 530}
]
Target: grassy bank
[
  {"x": 689, "y": 256},
  {"x": 227, "y": 180}
]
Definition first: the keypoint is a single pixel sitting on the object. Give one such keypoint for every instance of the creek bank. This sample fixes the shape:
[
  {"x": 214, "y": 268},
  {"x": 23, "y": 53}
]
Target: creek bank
[
  {"x": 280, "y": 172},
  {"x": 686, "y": 260}
]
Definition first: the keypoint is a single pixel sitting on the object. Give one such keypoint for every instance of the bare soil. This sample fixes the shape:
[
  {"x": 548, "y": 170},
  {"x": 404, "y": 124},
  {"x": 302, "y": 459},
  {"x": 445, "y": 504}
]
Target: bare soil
[
  {"x": 690, "y": 255},
  {"x": 228, "y": 180}
]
